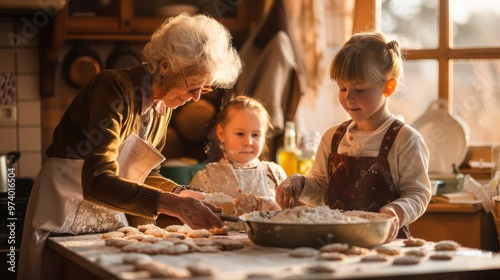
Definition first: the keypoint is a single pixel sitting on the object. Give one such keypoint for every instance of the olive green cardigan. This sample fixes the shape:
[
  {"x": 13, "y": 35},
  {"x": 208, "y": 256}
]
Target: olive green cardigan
[{"x": 98, "y": 120}]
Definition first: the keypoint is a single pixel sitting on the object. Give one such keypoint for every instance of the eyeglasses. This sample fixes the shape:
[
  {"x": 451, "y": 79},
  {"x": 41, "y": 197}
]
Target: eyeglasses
[{"x": 204, "y": 89}]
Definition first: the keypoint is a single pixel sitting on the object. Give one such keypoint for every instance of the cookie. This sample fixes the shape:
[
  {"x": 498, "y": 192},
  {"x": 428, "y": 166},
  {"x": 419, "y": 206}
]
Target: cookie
[
  {"x": 175, "y": 249},
  {"x": 303, "y": 252},
  {"x": 198, "y": 233},
  {"x": 356, "y": 251},
  {"x": 151, "y": 239},
  {"x": 388, "y": 251},
  {"x": 145, "y": 227},
  {"x": 259, "y": 276},
  {"x": 406, "y": 260},
  {"x": 173, "y": 228},
  {"x": 137, "y": 237},
  {"x": 203, "y": 241},
  {"x": 164, "y": 243},
  {"x": 150, "y": 249},
  {"x": 446, "y": 245},
  {"x": 113, "y": 234},
  {"x": 374, "y": 258},
  {"x": 118, "y": 242},
  {"x": 128, "y": 230},
  {"x": 318, "y": 268},
  {"x": 414, "y": 242},
  {"x": 184, "y": 229},
  {"x": 200, "y": 269},
  {"x": 132, "y": 258},
  {"x": 177, "y": 235},
  {"x": 158, "y": 232},
  {"x": 158, "y": 269},
  {"x": 228, "y": 244},
  {"x": 219, "y": 231},
  {"x": 441, "y": 257},
  {"x": 208, "y": 249},
  {"x": 331, "y": 256},
  {"x": 416, "y": 253},
  {"x": 335, "y": 247},
  {"x": 190, "y": 243}
]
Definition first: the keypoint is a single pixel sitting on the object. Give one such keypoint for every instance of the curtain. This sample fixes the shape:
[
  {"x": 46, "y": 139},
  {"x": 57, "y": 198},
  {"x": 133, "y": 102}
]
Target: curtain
[{"x": 317, "y": 26}]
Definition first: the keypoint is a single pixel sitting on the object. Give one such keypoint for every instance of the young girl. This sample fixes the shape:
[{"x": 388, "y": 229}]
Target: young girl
[
  {"x": 241, "y": 128},
  {"x": 372, "y": 162}
]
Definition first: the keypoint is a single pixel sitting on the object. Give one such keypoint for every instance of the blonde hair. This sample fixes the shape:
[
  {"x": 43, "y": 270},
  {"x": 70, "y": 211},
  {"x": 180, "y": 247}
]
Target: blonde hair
[
  {"x": 198, "y": 41},
  {"x": 242, "y": 102},
  {"x": 367, "y": 57}
]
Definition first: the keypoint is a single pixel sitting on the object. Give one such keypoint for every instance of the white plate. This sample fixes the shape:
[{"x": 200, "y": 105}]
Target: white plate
[{"x": 445, "y": 135}]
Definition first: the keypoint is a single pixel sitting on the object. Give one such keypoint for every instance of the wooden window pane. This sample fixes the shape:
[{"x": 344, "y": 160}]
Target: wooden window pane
[
  {"x": 475, "y": 23},
  {"x": 413, "y": 23},
  {"x": 418, "y": 90},
  {"x": 476, "y": 95}
]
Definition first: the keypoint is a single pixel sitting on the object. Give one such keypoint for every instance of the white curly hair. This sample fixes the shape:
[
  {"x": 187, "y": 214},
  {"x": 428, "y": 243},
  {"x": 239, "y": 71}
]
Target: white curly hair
[{"x": 199, "y": 41}]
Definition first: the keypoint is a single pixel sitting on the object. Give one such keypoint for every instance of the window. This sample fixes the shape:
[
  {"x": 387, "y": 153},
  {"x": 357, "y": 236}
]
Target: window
[{"x": 453, "y": 52}]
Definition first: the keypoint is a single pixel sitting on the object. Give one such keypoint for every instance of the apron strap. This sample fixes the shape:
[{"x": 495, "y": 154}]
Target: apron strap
[
  {"x": 389, "y": 137},
  {"x": 338, "y": 135}
]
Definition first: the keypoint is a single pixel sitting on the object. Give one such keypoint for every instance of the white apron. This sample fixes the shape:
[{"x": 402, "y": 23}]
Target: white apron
[
  {"x": 63, "y": 211},
  {"x": 233, "y": 182}
]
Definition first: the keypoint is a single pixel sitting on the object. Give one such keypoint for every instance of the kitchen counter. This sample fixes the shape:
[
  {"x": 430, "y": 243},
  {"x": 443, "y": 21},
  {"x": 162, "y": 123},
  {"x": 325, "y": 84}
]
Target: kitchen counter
[
  {"x": 76, "y": 257},
  {"x": 467, "y": 224}
]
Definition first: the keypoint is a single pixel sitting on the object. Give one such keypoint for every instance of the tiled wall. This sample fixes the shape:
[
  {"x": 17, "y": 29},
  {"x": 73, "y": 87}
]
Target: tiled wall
[{"x": 23, "y": 133}]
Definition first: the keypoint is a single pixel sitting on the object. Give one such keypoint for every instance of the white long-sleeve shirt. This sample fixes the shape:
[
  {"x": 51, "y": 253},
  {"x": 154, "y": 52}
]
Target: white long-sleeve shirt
[{"x": 408, "y": 161}]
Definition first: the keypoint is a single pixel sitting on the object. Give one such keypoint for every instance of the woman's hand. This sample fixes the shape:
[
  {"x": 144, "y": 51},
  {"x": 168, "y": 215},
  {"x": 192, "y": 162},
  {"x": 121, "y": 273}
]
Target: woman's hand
[
  {"x": 194, "y": 194},
  {"x": 288, "y": 192},
  {"x": 393, "y": 232},
  {"x": 191, "y": 211}
]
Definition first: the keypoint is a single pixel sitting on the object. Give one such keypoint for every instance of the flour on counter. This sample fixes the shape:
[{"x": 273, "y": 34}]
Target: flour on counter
[{"x": 314, "y": 215}]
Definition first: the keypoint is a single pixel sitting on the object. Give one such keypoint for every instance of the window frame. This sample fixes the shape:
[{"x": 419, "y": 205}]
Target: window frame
[
  {"x": 365, "y": 18},
  {"x": 444, "y": 54}
]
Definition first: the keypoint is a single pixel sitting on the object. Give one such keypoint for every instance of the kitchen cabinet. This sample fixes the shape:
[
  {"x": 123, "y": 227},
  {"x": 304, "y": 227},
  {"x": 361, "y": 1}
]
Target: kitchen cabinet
[
  {"x": 131, "y": 21},
  {"x": 466, "y": 224}
]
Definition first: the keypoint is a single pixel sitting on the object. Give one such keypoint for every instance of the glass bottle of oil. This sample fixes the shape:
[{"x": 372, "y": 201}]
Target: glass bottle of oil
[
  {"x": 288, "y": 154},
  {"x": 308, "y": 146}
]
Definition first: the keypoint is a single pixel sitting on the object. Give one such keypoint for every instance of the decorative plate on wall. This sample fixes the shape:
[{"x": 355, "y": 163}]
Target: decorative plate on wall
[{"x": 446, "y": 137}]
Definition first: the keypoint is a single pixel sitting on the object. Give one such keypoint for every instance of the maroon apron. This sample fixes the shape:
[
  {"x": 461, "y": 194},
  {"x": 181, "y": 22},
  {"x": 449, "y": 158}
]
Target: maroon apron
[{"x": 362, "y": 183}]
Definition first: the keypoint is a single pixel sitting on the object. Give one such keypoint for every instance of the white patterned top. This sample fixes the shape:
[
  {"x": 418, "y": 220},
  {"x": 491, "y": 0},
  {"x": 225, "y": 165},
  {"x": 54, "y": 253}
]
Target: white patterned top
[{"x": 233, "y": 178}]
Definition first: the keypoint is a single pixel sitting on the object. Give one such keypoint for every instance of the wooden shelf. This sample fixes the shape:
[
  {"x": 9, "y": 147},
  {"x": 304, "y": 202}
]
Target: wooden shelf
[{"x": 120, "y": 23}]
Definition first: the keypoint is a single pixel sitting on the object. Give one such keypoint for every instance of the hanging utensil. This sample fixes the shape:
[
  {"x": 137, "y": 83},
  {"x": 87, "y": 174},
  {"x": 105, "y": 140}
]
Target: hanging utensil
[{"x": 80, "y": 65}]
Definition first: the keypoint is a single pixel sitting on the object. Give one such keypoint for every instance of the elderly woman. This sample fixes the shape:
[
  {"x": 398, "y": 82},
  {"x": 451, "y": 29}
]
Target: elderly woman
[{"x": 80, "y": 188}]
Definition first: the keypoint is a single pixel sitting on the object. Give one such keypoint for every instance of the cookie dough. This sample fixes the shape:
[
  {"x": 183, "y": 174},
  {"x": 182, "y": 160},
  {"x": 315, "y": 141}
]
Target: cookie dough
[
  {"x": 388, "y": 251},
  {"x": 303, "y": 252},
  {"x": 406, "y": 260},
  {"x": 374, "y": 258},
  {"x": 446, "y": 245},
  {"x": 414, "y": 242},
  {"x": 246, "y": 203},
  {"x": 331, "y": 256},
  {"x": 158, "y": 269},
  {"x": 335, "y": 247}
]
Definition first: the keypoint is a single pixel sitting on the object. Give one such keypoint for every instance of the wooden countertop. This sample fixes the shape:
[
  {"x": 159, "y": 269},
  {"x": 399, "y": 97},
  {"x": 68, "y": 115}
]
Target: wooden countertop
[
  {"x": 454, "y": 207},
  {"x": 83, "y": 251}
]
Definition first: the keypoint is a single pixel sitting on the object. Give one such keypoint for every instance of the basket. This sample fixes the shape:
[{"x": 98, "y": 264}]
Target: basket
[{"x": 496, "y": 213}]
